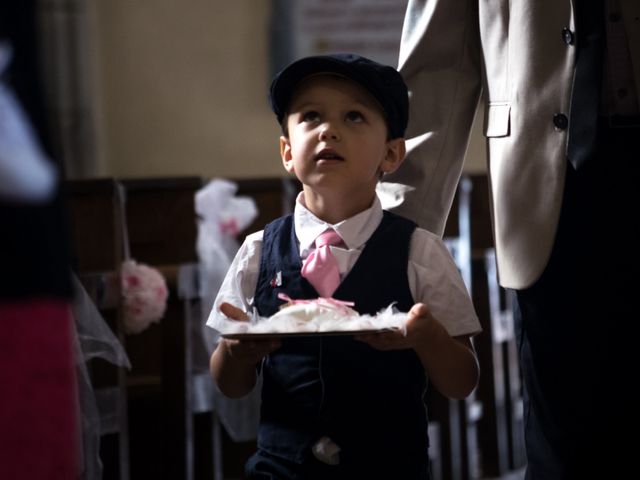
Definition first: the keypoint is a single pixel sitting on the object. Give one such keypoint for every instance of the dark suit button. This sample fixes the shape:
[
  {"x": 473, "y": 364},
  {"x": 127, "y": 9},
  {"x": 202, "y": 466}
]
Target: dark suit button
[
  {"x": 561, "y": 121},
  {"x": 567, "y": 36}
]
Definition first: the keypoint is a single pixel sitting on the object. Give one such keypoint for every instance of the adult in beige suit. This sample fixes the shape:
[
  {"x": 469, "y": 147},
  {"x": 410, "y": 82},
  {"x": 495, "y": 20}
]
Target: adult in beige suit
[{"x": 562, "y": 142}]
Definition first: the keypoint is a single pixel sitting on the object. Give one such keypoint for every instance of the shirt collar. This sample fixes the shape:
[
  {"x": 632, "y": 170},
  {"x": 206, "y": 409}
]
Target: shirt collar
[{"x": 354, "y": 231}]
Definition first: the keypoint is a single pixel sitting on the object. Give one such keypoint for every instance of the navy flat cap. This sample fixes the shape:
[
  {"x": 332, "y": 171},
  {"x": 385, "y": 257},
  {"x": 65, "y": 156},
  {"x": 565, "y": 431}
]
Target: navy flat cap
[{"x": 382, "y": 81}]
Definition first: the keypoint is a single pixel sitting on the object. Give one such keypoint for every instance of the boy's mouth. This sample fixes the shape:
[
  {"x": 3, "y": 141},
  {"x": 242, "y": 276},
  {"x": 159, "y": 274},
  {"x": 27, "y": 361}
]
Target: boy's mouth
[{"x": 327, "y": 154}]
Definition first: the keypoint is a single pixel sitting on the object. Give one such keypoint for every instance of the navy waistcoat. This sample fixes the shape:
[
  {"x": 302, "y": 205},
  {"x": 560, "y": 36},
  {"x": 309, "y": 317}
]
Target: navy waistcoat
[{"x": 367, "y": 401}]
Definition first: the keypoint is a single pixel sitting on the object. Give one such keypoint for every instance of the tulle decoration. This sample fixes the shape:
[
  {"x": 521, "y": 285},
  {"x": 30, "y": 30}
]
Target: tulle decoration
[
  {"x": 221, "y": 216},
  {"x": 145, "y": 292}
]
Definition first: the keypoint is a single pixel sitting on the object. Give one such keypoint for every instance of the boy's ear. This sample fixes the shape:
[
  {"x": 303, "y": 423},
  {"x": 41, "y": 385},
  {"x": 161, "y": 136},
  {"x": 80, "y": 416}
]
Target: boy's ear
[
  {"x": 285, "y": 153},
  {"x": 396, "y": 150}
]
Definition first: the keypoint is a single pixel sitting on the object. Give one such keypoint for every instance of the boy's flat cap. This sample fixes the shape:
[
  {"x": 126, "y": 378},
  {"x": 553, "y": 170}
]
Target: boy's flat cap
[{"x": 382, "y": 81}]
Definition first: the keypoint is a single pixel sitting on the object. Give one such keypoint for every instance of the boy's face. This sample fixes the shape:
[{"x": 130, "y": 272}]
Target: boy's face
[{"x": 338, "y": 138}]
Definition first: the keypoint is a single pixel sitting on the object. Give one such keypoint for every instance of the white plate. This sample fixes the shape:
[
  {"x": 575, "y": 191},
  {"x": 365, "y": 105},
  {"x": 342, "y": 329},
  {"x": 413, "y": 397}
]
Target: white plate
[{"x": 268, "y": 335}]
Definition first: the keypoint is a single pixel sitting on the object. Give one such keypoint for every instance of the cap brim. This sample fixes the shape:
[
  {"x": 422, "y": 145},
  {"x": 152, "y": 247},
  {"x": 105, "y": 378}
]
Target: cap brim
[{"x": 285, "y": 83}]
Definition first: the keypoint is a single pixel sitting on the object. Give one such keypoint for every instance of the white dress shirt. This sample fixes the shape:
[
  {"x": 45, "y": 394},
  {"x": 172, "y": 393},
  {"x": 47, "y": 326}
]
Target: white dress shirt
[{"x": 433, "y": 276}]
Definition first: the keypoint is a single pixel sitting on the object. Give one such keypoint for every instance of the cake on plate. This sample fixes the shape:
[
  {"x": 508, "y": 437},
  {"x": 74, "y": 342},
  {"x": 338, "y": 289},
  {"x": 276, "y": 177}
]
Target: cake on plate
[{"x": 318, "y": 315}]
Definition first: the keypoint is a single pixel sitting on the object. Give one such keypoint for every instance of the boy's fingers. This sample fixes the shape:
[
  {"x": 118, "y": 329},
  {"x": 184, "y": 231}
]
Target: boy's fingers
[
  {"x": 233, "y": 312},
  {"x": 418, "y": 310}
]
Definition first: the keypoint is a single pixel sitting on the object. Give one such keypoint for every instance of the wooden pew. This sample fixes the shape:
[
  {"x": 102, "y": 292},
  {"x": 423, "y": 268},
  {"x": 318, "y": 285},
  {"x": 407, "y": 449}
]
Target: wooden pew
[
  {"x": 167, "y": 362},
  {"x": 501, "y": 308},
  {"x": 499, "y": 428},
  {"x": 94, "y": 213},
  {"x": 156, "y": 438},
  {"x": 493, "y": 427},
  {"x": 457, "y": 420}
]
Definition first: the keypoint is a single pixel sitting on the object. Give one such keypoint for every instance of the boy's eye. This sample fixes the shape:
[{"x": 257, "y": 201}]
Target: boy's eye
[
  {"x": 310, "y": 116},
  {"x": 354, "y": 116}
]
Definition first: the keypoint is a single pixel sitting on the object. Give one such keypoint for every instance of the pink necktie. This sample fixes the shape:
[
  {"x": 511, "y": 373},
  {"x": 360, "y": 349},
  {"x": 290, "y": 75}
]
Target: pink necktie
[{"x": 321, "y": 267}]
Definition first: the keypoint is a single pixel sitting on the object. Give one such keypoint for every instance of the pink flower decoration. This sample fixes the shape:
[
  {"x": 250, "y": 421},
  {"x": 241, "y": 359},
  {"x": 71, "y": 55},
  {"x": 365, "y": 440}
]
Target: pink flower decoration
[
  {"x": 144, "y": 291},
  {"x": 230, "y": 227}
]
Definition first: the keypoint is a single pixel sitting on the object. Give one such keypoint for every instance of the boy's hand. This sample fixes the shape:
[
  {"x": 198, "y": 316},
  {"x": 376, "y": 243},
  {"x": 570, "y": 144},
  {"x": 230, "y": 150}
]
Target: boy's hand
[
  {"x": 419, "y": 324},
  {"x": 233, "y": 312},
  {"x": 249, "y": 351}
]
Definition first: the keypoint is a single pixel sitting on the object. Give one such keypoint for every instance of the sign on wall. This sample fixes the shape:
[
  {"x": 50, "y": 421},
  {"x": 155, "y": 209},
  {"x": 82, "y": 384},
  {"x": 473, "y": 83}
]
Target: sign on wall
[{"x": 311, "y": 27}]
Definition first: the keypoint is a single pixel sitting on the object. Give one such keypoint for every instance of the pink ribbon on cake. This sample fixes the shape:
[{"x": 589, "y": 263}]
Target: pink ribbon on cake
[{"x": 339, "y": 304}]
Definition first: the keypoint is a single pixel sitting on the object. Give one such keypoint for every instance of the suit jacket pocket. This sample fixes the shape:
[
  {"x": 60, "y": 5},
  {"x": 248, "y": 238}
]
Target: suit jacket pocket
[{"x": 497, "y": 120}]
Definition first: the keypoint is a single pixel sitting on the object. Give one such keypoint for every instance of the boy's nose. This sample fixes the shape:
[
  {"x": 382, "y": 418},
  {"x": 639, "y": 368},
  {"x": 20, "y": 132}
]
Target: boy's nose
[{"x": 327, "y": 132}]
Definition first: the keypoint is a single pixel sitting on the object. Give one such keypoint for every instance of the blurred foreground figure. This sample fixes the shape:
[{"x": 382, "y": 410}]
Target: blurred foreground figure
[{"x": 38, "y": 416}]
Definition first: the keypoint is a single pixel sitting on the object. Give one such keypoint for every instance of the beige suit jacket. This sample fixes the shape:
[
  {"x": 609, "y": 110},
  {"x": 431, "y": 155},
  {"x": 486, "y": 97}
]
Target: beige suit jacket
[{"x": 513, "y": 53}]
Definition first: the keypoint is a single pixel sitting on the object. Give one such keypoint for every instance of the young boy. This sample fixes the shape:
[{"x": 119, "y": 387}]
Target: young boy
[{"x": 345, "y": 406}]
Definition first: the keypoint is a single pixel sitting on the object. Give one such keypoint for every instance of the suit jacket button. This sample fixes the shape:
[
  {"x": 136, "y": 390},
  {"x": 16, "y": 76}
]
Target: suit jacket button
[
  {"x": 567, "y": 36},
  {"x": 560, "y": 121}
]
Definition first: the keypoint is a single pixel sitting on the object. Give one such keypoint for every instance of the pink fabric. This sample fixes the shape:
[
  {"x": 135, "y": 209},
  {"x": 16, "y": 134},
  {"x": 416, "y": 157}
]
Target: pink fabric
[
  {"x": 38, "y": 399},
  {"x": 321, "y": 267},
  {"x": 145, "y": 292},
  {"x": 338, "y": 304}
]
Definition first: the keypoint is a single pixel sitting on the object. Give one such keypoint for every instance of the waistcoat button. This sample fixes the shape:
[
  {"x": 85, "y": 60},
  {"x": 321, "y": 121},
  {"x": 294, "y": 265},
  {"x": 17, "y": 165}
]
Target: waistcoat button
[
  {"x": 560, "y": 121},
  {"x": 567, "y": 36}
]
